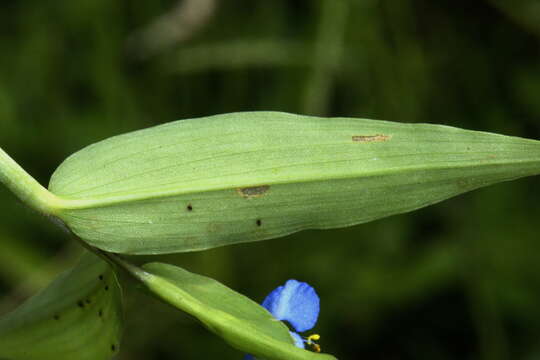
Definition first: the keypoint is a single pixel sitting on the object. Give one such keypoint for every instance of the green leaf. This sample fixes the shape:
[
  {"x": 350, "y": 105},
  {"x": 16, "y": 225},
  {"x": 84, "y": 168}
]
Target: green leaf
[
  {"x": 78, "y": 317},
  {"x": 243, "y": 323},
  {"x": 201, "y": 183}
]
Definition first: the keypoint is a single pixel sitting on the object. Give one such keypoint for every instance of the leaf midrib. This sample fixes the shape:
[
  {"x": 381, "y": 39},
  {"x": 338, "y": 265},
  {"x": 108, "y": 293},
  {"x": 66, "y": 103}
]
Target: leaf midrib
[{"x": 64, "y": 203}]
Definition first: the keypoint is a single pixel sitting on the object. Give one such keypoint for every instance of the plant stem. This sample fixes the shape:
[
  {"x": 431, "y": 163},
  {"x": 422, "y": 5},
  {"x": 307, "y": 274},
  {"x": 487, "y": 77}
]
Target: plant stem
[
  {"x": 116, "y": 261},
  {"x": 327, "y": 55},
  {"x": 25, "y": 187}
]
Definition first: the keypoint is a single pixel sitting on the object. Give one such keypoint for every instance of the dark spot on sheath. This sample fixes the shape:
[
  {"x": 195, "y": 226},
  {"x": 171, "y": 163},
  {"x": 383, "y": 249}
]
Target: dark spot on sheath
[
  {"x": 56, "y": 317},
  {"x": 100, "y": 313},
  {"x": 259, "y": 222},
  {"x": 80, "y": 303},
  {"x": 253, "y": 191},
  {"x": 106, "y": 287},
  {"x": 190, "y": 207},
  {"x": 100, "y": 277},
  {"x": 370, "y": 138},
  {"x": 113, "y": 347}
]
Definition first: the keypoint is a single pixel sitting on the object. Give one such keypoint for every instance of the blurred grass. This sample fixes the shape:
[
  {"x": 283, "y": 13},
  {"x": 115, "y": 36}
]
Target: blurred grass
[{"x": 459, "y": 280}]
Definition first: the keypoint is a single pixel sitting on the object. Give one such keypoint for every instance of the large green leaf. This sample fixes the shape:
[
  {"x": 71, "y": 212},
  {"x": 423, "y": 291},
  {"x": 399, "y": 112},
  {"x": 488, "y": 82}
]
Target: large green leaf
[
  {"x": 78, "y": 317},
  {"x": 201, "y": 183},
  {"x": 243, "y": 323}
]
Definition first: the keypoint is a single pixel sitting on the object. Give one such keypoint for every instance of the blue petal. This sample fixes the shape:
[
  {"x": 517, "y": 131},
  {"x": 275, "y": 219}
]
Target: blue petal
[
  {"x": 272, "y": 298},
  {"x": 249, "y": 357},
  {"x": 298, "y": 341},
  {"x": 295, "y": 302}
]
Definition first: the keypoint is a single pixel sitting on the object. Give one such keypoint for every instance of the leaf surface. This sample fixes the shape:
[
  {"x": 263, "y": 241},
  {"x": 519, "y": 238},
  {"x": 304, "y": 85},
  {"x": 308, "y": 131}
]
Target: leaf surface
[
  {"x": 240, "y": 321},
  {"x": 202, "y": 183},
  {"x": 77, "y": 317}
]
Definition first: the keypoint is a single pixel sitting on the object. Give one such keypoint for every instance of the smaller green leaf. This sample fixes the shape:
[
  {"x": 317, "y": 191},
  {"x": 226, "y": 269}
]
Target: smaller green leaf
[
  {"x": 77, "y": 317},
  {"x": 243, "y": 323}
]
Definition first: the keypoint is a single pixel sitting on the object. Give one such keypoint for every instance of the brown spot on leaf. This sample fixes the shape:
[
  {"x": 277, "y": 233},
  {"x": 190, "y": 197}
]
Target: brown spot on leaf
[
  {"x": 253, "y": 191},
  {"x": 371, "y": 138}
]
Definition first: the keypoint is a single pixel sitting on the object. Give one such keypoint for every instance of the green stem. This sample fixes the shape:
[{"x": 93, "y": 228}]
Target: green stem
[
  {"x": 25, "y": 187},
  {"x": 327, "y": 55},
  {"x": 133, "y": 270}
]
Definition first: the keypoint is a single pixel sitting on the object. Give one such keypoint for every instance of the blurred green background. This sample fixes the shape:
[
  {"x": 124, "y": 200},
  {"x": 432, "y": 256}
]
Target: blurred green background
[{"x": 458, "y": 280}]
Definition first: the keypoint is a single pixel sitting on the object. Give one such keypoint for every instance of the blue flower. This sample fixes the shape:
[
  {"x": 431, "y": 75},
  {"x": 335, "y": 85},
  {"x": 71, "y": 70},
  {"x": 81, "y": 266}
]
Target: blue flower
[{"x": 297, "y": 303}]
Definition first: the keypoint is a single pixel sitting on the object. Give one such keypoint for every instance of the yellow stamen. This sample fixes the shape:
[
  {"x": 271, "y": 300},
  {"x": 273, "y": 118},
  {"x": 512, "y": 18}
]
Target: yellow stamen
[{"x": 310, "y": 340}]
